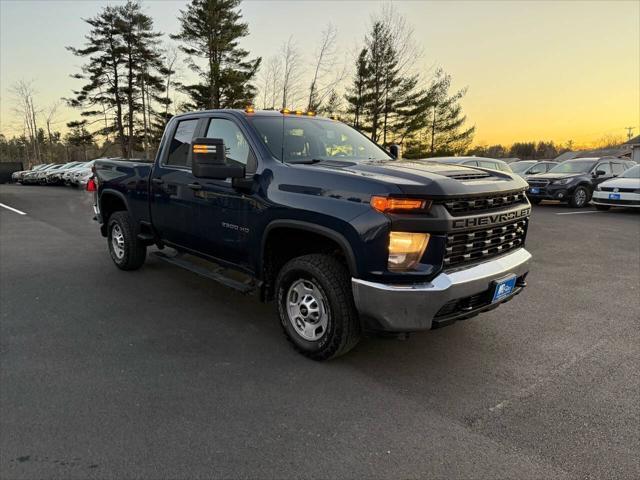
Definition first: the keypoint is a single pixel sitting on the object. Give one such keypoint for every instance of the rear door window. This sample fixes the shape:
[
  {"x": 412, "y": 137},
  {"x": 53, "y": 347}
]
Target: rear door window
[
  {"x": 181, "y": 143},
  {"x": 618, "y": 168}
]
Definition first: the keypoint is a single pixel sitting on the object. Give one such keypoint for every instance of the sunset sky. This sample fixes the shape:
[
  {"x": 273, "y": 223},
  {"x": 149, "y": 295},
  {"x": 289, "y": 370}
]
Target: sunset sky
[{"x": 538, "y": 70}]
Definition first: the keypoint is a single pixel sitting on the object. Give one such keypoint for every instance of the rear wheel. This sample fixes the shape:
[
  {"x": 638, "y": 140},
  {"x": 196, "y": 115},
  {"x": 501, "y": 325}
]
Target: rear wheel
[
  {"x": 127, "y": 252},
  {"x": 602, "y": 207},
  {"x": 580, "y": 197},
  {"x": 316, "y": 307}
]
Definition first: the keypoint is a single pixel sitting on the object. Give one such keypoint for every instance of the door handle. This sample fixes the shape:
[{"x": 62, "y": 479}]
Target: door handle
[
  {"x": 194, "y": 186},
  {"x": 157, "y": 181}
]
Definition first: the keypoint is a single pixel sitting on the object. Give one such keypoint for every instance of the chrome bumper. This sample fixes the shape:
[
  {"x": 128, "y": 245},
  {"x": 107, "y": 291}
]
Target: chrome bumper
[{"x": 406, "y": 308}]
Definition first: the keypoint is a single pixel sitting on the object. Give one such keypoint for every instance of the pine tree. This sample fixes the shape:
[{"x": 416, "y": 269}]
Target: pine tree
[
  {"x": 101, "y": 97},
  {"x": 446, "y": 127},
  {"x": 356, "y": 96},
  {"x": 211, "y": 30},
  {"x": 380, "y": 75},
  {"x": 445, "y": 133},
  {"x": 141, "y": 59},
  {"x": 121, "y": 73}
]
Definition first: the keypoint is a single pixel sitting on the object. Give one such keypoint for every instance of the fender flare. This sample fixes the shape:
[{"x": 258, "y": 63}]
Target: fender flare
[
  {"x": 109, "y": 192},
  {"x": 339, "y": 238}
]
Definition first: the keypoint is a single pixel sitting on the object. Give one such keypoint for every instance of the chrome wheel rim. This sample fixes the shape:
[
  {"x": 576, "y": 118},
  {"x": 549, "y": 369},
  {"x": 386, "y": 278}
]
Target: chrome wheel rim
[
  {"x": 307, "y": 310},
  {"x": 581, "y": 197},
  {"x": 117, "y": 241}
]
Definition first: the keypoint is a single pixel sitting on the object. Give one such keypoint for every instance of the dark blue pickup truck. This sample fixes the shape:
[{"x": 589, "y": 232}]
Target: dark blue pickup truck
[{"x": 310, "y": 213}]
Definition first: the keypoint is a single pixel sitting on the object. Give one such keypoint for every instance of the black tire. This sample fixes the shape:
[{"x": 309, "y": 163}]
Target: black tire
[
  {"x": 333, "y": 283},
  {"x": 580, "y": 197},
  {"x": 133, "y": 253},
  {"x": 535, "y": 201},
  {"x": 602, "y": 207}
]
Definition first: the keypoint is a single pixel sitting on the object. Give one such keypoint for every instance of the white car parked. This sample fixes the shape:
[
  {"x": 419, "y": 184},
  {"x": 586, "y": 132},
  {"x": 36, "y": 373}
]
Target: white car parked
[{"x": 622, "y": 191}]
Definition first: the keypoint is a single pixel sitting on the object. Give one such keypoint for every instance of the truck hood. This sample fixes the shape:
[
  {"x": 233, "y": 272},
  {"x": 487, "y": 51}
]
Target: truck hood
[{"x": 423, "y": 177}]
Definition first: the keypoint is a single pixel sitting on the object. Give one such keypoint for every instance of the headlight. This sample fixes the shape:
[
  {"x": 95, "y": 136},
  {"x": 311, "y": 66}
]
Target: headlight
[
  {"x": 406, "y": 249},
  {"x": 599, "y": 188},
  {"x": 562, "y": 181}
]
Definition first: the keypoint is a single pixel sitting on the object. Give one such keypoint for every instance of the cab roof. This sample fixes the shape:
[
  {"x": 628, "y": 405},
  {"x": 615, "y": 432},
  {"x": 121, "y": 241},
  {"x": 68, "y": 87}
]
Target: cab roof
[{"x": 256, "y": 113}]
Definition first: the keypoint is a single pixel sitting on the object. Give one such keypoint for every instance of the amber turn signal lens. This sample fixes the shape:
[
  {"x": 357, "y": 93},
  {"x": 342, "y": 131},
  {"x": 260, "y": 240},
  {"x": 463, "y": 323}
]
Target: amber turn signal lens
[{"x": 386, "y": 204}]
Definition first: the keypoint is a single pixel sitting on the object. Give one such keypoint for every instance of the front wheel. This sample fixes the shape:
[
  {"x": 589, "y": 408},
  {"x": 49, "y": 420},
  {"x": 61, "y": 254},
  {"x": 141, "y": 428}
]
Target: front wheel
[
  {"x": 580, "y": 197},
  {"x": 316, "y": 307},
  {"x": 535, "y": 201},
  {"x": 127, "y": 252}
]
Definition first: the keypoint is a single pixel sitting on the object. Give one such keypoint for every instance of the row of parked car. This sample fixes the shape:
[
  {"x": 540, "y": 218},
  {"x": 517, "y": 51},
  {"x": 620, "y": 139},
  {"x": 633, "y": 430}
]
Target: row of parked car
[
  {"x": 604, "y": 182},
  {"x": 73, "y": 173}
]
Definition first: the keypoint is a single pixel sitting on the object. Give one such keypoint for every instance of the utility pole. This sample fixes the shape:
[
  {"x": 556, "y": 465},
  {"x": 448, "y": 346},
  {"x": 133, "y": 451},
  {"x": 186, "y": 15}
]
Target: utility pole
[{"x": 629, "y": 132}]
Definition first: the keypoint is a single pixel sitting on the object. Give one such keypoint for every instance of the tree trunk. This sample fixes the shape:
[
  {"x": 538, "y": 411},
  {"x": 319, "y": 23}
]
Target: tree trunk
[
  {"x": 130, "y": 101},
  {"x": 433, "y": 132},
  {"x": 144, "y": 118}
]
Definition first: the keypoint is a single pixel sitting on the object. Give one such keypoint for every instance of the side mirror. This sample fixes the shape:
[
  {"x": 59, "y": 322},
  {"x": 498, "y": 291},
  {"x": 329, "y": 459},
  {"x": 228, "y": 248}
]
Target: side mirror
[
  {"x": 208, "y": 160},
  {"x": 600, "y": 173},
  {"x": 394, "y": 150}
]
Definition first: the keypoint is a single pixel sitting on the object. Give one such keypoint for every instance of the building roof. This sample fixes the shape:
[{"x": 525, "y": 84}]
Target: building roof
[
  {"x": 621, "y": 151},
  {"x": 634, "y": 141}
]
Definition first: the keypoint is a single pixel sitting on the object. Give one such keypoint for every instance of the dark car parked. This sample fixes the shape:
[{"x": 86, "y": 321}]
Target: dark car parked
[
  {"x": 574, "y": 181},
  {"x": 527, "y": 168}
]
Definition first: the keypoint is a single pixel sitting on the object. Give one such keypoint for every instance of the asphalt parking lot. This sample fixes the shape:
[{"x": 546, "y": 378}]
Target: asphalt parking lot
[{"x": 162, "y": 374}]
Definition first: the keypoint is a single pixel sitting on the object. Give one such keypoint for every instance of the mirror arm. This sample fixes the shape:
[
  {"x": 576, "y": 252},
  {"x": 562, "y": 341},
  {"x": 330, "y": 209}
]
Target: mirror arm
[{"x": 242, "y": 184}]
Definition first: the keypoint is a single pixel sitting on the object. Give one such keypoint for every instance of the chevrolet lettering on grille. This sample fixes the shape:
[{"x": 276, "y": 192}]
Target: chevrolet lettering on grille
[{"x": 490, "y": 219}]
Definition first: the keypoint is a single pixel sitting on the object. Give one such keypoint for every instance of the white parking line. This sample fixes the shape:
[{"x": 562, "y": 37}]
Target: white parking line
[
  {"x": 12, "y": 209},
  {"x": 577, "y": 213}
]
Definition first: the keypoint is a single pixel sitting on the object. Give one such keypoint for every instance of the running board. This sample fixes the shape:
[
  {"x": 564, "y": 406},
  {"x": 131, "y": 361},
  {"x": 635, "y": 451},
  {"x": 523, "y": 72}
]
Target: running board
[{"x": 217, "y": 274}]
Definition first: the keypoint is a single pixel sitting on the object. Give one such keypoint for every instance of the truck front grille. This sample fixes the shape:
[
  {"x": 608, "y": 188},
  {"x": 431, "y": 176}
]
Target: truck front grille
[
  {"x": 462, "y": 206},
  {"x": 474, "y": 246},
  {"x": 621, "y": 190}
]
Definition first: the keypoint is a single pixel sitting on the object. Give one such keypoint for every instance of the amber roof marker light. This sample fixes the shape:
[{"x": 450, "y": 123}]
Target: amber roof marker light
[{"x": 308, "y": 113}]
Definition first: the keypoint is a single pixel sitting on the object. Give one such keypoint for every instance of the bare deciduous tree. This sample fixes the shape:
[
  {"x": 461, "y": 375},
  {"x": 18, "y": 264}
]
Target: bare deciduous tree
[
  {"x": 290, "y": 73},
  {"x": 50, "y": 118},
  {"x": 326, "y": 74},
  {"x": 23, "y": 93},
  {"x": 271, "y": 80}
]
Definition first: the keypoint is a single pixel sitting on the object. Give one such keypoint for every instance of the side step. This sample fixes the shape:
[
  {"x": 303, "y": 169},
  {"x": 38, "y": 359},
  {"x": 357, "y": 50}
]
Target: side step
[{"x": 217, "y": 273}]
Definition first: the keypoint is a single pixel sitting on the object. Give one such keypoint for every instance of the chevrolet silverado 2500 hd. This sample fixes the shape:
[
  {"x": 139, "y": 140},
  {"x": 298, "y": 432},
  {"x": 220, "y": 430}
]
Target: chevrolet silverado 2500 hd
[{"x": 310, "y": 213}]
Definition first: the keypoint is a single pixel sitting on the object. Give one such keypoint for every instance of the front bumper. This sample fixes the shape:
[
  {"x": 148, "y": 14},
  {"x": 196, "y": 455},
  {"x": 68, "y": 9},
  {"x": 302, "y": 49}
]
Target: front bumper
[
  {"x": 552, "y": 192},
  {"x": 626, "y": 199},
  {"x": 413, "y": 307}
]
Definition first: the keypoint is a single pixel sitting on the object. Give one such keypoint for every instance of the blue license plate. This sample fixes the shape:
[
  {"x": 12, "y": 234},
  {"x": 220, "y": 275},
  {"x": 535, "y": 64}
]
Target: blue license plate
[
  {"x": 534, "y": 190},
  {"x": 503, "y": 288},
  {"x": 614, "y": 196}
]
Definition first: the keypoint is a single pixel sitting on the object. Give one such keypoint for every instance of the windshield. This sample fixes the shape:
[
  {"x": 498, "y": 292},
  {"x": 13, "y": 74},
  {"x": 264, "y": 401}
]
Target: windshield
[
  {"x": 305, "y": 140},
  {"x": 633, "y": 172},
  {"x": 573, "y": 166},
  {"x": 521, "y": 167}
]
